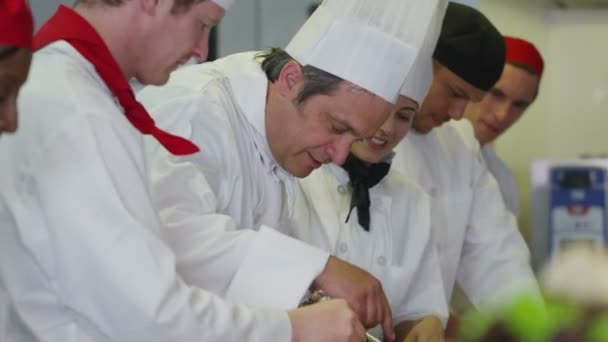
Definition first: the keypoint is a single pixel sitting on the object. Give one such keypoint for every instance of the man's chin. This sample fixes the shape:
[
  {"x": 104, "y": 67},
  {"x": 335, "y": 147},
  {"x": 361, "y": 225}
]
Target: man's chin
[
  {"x": 299, "y": 171},
  {"x": 302, "y": 173},
  {"x": 423, "y": 127},
  {"x": 154, "y": 80}
]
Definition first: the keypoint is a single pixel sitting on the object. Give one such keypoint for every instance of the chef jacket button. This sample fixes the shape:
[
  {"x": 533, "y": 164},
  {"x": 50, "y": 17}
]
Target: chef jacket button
[
  {"x": 341, "y": 189},
  {"x": 381, "y": 261},
  {"x": 343, "y": 247}
]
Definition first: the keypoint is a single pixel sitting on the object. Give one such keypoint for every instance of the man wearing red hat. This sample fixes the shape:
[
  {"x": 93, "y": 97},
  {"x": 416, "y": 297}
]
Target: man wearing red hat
[
  {"x": 16, "y": 26},
  {"x": 503, "y": 105}
]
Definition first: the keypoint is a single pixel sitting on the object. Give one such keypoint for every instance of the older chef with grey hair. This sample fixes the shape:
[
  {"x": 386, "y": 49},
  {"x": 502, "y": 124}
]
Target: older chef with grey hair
[{"x": 377, "y": 218}]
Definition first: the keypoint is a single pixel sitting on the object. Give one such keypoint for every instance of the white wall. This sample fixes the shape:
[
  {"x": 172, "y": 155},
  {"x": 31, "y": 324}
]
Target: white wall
[
  {"x": 578, "y": 84},
  {"x": 261, "y": 24}
]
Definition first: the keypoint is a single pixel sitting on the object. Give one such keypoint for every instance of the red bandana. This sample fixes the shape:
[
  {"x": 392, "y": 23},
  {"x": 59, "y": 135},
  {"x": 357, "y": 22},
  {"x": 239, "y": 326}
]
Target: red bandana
[
  {"x": 16, "y": 24},
  {"x": 524, "y": 52},
  {"x": 70, "y": 26}
]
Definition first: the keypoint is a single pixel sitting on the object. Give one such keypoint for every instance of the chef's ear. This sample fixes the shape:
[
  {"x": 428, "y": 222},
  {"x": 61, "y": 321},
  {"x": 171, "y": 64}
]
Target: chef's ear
[{"x": 290, "y": 76}]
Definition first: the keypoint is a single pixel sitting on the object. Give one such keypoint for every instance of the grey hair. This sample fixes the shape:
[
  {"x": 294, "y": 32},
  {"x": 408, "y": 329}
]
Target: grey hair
[{"x": 317, "y": 81}]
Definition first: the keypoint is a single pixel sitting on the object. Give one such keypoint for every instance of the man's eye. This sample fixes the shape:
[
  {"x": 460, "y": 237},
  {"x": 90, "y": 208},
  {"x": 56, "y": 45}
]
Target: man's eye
[
  {"x": 405, "y": 118},
  {"x": 458, "y": 95},
  {"x": 496, "y": 93},
  {"x": 338, "y": 129}
]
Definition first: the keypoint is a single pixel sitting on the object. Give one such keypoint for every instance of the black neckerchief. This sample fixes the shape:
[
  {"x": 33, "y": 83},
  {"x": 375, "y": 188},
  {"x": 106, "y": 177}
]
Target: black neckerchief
[{"x": 362, "y": 178}]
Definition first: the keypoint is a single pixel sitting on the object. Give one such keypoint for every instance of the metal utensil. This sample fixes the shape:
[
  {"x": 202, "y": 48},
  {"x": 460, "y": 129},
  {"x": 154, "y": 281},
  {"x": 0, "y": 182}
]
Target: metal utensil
[{"x": 371, "y": 338}]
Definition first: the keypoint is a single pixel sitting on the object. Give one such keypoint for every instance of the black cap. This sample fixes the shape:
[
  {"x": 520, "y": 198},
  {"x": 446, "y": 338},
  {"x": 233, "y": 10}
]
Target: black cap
[{"x": 470, "y": 46}]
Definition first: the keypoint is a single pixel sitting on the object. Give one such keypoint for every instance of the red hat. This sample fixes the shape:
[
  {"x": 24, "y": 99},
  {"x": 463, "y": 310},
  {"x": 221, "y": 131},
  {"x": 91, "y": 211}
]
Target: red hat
[
  {"x": 524, "y": 52},
  {"x": 16, "y": 23}
]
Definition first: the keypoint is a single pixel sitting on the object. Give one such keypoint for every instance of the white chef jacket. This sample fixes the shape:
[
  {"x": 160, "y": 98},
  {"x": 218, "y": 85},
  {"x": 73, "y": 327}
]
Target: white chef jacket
[
  {"x": 504, "y": 177},
  {"x": 397, "y": 250},
  {"x": 478, "y": 241},
  {"x": 81, "y": 254},
  {"x": 233, "y": 183}
]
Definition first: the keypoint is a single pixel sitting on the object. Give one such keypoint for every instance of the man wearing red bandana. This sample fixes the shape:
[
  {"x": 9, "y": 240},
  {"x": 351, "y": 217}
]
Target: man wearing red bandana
[
  {"x": 503, "y": 105},
  {"x": 82, "y": 256},
  {"x": 16, "y": 26}
]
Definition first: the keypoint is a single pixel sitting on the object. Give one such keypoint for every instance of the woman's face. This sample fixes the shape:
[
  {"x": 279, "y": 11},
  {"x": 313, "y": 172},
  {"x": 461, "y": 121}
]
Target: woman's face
[
  {"x": 394, "y": 129},
  {"x": 14, "y": 68}
]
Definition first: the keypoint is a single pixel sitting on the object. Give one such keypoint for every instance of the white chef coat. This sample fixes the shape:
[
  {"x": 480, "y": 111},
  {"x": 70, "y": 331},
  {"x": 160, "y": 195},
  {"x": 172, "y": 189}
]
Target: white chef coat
[
  {"x": 478, "y": 241},
  {"x": 504, "y": 177},
  {"x": 81, "y": 254},
  {"x": 234, "y": 182},
  {"x": 397, "y": 250}
]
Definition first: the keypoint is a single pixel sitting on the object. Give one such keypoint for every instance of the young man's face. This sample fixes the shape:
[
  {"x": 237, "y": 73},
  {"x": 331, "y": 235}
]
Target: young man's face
[
  {"x": 322, "y": 129},
  {"x": 173, "y": 38},
  {"x": 447, "y": 99},
  {"x": 13, "y": 73},
  {"x": 504, "y": 104},
  {"x": 393, "y": 130}
]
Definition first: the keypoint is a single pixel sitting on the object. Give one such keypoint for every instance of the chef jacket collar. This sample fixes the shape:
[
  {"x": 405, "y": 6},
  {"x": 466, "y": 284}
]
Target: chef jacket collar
[
  {"x": 342, "y": 176},
  {"x": 250, "y": 87}
]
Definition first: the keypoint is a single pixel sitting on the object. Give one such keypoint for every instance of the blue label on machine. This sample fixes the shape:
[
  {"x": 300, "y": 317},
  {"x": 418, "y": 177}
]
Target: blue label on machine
[{"x": 577, "y": 207}]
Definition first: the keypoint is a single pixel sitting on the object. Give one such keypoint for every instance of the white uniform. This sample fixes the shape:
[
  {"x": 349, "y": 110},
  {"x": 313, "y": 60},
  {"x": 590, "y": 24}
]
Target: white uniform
[
  {"x": 81, "y": 254},
  {"x": 234, "y": 182},
  {"x": 398, "y": 248},
  {"x": 504, "y": 177},
  {"x": 477, "y": 238}
]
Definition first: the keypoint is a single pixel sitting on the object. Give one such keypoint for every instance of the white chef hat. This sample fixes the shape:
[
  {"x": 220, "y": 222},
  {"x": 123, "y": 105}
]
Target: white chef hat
[
  {"x": 225, "y": 4},
  {"x": 420, "y": 76},
  {"x": 371, "y": 43}
]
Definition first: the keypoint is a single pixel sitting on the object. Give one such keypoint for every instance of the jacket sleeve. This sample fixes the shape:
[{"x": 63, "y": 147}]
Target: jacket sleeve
[
  {"x": 102, "y": 253},
  {"x": 495, "y": 260},
  {"x": 261, "y": 266}
]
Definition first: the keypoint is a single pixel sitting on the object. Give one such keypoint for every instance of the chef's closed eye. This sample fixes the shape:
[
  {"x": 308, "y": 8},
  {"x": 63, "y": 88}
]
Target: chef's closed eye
[
  {"x": 338, "y": 128},
  {"x": 497, "y": 93},
  {"x": 406, "y": 115}
]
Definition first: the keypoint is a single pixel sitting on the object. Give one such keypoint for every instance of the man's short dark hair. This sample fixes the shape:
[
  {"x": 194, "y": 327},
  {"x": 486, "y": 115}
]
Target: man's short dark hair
[{"x": 318, "y": 82}]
